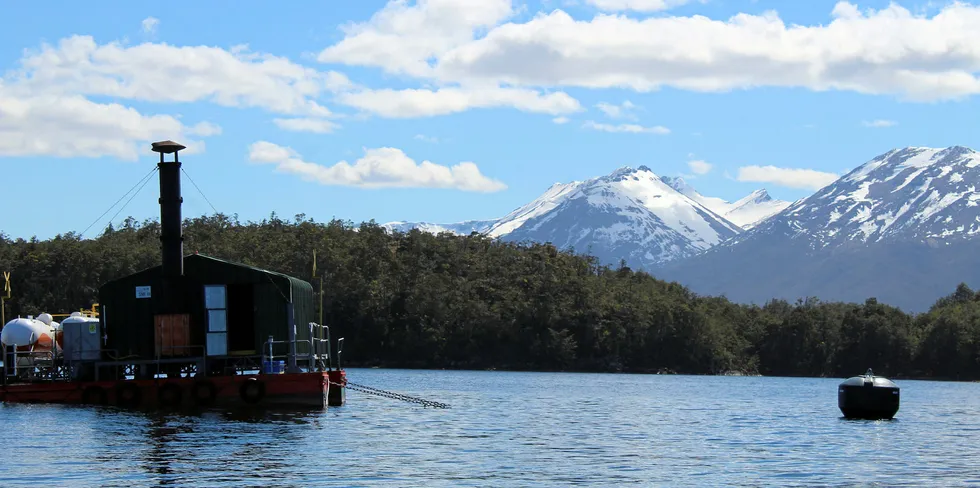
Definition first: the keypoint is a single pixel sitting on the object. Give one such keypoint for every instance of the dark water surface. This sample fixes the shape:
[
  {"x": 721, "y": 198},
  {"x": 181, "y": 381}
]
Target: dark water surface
[{"x": 516, "y": 429}]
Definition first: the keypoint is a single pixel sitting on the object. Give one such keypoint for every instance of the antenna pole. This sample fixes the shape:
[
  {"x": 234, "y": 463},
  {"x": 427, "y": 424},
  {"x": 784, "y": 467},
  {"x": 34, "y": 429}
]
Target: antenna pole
[{"x": 4, "y": 298}]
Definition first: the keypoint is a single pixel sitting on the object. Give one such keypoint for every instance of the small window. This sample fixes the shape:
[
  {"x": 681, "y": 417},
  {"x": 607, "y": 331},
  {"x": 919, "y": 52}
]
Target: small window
[
  {"x": 217, "y": 321},
  {"x": 217, "y": 344},
  {"x": 214, "y": 296}
]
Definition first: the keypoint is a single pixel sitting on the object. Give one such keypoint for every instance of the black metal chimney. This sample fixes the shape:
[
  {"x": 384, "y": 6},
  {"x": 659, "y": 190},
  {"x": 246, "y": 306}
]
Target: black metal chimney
[{"x": 171, "y": 234}]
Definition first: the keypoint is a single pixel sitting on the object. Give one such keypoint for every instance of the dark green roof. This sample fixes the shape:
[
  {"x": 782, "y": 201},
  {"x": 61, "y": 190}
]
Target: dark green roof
[{"x": 293, "y": 281}]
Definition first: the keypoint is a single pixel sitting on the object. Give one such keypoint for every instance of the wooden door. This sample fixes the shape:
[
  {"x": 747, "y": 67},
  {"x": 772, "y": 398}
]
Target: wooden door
[{"x": 173, "y": 335}]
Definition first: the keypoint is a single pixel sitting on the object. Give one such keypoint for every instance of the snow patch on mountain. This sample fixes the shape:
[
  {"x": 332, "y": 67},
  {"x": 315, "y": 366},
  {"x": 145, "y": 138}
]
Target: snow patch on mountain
[
  {"x": 462, "y": 228},
  {"x": 630, "y": 214},
  {"x": 540, "y": 206},
  {"x": 746, "y": 212},
  {"x": 693, "y": 219},
  {"x": 755, "y": 208}
]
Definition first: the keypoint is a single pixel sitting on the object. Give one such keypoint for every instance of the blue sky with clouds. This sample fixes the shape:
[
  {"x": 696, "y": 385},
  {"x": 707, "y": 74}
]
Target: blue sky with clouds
[{"x": 447, "y": 110}]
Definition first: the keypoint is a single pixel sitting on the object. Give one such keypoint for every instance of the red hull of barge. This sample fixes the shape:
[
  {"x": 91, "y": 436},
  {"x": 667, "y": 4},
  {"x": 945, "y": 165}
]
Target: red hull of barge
[{"x": 297, "y": 389}]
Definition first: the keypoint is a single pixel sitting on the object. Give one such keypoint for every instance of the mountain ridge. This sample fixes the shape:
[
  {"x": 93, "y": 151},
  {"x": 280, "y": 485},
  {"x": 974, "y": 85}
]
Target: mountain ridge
[
  {"x": 899, "y": 227},
  {"x": 713, "y": 208},
  {"x": 629, "y": 214}
]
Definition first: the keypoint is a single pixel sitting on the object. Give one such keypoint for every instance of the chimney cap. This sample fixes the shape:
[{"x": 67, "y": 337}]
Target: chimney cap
[{"x": 167, "y": 147}]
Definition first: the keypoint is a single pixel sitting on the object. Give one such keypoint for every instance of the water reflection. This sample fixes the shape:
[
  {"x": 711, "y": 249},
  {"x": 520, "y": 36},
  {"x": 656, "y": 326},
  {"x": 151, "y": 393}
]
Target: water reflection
[
  {"x": 161, "y": 453},
  {"x": 232, "y": 445},
  {"x": 116, "y": 447}
]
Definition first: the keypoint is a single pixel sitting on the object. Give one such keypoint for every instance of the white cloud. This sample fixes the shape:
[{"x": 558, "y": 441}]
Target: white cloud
[
  {"x": 791, "y": 177},
  {"x": 637, "y": 5},
  {"x": 888, "y": 51},
  {"x": 879, "y": 123},
  {"x": 617, "y": 111},
  {"x": 205, "y": 129},
  {"x": 47, "y": 98},
  {"x": 384, "y": 167},
  {"x": 699, "y": 167},
  {"x": 404, "y": 38},
  {"x": 150, "y": 25},
  {"x": 425, "y": 138},
  {"x": 73, "y": 126},
  {"x": 267, "y": 152},
  {"x": 477, "y": 54},
  {"x": 560, "y": 120},
  {"x": 443, "y": 101},
  {"x": 306, "y": 124},
  {"x": 164, "y": 73},
  {"x": 631, "y": 128}
]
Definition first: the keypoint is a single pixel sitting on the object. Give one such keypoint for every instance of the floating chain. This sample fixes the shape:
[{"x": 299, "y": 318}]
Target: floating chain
[{"x": 394, "y": 396}]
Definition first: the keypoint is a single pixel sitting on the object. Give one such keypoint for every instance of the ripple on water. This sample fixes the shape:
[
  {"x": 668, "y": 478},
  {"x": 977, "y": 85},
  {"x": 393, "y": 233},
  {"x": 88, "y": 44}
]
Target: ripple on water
[{"x": 515, "y": 429}]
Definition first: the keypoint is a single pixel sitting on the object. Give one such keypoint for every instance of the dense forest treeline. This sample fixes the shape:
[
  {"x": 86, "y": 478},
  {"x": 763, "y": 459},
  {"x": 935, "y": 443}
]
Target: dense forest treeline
[{"x": 444, "y": 301}]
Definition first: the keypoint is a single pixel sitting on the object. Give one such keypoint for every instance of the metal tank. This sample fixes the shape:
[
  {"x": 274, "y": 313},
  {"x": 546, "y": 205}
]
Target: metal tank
[
  {"x": 81, "y": 338},
  {"x": 868, "y": 397}
]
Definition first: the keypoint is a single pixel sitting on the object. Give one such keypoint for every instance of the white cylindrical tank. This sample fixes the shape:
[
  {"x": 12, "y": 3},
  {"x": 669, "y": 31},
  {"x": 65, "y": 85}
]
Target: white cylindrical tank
[{"x": 28, "y": 332}]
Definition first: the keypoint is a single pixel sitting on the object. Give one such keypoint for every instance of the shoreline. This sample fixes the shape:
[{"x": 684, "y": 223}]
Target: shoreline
[{"x": 356, "y": 365}]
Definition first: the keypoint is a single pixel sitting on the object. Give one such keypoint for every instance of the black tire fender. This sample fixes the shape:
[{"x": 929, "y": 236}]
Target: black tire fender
[
  {"x": 95, "y": 395},
  {"x": 170, "y": 395},
  {"x": 204, "y": 393},
  {"x": 128, "y": 395},
  {"x": 252, "y": 390}
]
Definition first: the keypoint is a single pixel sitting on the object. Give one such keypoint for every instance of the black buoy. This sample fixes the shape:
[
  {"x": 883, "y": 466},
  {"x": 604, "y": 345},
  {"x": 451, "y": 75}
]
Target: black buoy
[{"x": 868, "y": 397}]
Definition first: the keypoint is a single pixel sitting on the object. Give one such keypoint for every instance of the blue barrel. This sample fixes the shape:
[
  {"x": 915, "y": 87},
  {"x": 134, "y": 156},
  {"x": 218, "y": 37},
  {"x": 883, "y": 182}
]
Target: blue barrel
[{"x": 273, "y": 367}]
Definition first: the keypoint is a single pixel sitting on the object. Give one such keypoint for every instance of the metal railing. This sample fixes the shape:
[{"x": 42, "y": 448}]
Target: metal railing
[
  {"x": 321, "y": 345},
  {"x": 32, "y": 365},
  {"x": 269, "y": 346},
  {"x": 340, "y": 350},
  {"x": 316, "y": 356},
  {"x": 313, "y": 354},
  {"x": 324, "y": 346}
]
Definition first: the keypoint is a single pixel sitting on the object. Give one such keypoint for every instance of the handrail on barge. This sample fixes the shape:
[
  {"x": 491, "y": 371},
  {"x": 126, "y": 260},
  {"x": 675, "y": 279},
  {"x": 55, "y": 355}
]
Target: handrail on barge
[{"x": 32, "y": 366}]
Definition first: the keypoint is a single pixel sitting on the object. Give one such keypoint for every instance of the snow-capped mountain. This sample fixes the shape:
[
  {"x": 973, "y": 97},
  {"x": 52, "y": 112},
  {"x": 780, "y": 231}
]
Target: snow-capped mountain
[
  {"x": 540, "y": 206},
  {"x": 914, "y": 193},
  {"x": 494, "y": 227},
  {"x": 462, "y": 228},
  {"x": 755, "y": 208},
  {"x": 899, "y": 227},
  {"x": 746, "y": 212},
  {"x": 631, "y": 214}
]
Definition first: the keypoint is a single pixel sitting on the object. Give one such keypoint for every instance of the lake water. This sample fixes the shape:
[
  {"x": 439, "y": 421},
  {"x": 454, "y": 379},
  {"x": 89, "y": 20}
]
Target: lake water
[{"x": 516, "y": 429}]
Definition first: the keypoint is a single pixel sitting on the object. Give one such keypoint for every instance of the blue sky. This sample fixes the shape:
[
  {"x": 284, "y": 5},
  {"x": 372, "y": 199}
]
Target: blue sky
[{"x": 781, "y": 95}]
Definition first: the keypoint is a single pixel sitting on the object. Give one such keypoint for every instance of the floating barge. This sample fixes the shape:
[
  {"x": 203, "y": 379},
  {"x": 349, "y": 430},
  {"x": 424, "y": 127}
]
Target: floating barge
[{"x": 196, "y": 331}]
